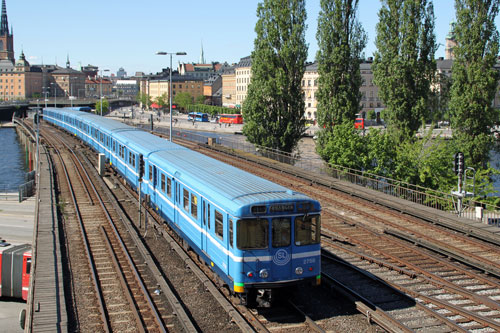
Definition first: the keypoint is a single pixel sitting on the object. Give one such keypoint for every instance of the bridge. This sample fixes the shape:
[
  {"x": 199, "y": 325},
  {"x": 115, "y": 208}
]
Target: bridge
[{"x": 20, "y": 108}]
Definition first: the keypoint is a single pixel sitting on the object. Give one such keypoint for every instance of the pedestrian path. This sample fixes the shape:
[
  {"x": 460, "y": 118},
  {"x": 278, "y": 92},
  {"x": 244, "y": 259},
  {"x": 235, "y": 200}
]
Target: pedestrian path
[{"x": 17, "y": 219}]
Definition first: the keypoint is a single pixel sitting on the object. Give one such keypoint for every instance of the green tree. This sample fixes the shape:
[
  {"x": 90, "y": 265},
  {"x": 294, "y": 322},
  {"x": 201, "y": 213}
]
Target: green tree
[
  {"x": 474, "y": 78},
  {"x": 144, "y": 99},
  {"x": 341, "y": 41},
  {"x": 183, "y": 100},
  {"x": 105, "y": 107},
  {"x": 274, "y": 107},
  {"x": 404, "y": 62},
  {"x": 161, "y": 100},
  {"x": 199, "y": 99}
]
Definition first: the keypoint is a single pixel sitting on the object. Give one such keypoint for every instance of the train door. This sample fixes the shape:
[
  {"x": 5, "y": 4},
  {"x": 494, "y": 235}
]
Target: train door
[{"x": 281, "y": 247}]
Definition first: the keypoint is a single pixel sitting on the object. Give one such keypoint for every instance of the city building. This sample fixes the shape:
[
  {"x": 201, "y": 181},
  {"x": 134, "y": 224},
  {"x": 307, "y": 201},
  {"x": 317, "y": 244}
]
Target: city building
[
  {"x": 243, "y": 74},
  {"x": 90, "y": 70},
  {"x": 69, "y": 82},
  {"x": 310, "y": 88},
  {"x": 126, "y": 88},
  {"x": 120, "y": 74},
  {"x": 450, "y": 42},
  {"x": 155, "y": 87},
  {"x": 94, "y": 86},
  {"x": 212, "y": 90},
  {"x": 229, "y": 87}
]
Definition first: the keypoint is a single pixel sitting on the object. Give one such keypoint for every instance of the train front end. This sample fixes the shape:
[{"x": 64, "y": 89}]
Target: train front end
[{"x": 277, "y": 246}]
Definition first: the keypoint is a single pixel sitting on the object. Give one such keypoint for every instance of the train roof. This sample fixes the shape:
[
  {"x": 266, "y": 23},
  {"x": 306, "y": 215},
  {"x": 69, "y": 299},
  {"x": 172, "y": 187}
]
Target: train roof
[
  {"x": 145, "y": 143},
  {"x": 216, "y": 180},
  {"x": 105, "y": 124}
]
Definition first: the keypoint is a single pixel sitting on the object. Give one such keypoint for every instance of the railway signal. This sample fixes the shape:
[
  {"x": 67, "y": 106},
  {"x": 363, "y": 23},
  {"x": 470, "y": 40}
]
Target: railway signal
[{"x": 459, "y": 163}]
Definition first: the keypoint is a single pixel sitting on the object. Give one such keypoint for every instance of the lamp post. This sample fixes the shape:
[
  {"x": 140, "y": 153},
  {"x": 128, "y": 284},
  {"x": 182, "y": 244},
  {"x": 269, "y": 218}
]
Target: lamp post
[
  {"x": 71, "y": 89},
  {"x": 100, "y": 98},
  {"x": 55, "y": 93},
  {"x": 170, "y": 86}
]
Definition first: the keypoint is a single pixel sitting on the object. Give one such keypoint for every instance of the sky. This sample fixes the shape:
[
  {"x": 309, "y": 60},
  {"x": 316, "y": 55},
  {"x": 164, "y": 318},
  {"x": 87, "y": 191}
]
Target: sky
[{"x": 123, "y": 33}]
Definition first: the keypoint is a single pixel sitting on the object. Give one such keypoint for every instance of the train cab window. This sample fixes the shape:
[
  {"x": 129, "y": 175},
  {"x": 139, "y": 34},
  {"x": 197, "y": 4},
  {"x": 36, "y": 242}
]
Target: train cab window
[
  {"x": 163, "y": 183},
  {"x": 252, "y": 234},
  {"x": 186, "y": 200},
  {"x": 230, "y": 224},
  {"x": 194, "y": 206},
  {"x": 219, "y": 225},
  {"x": 281, "y": 232},
  {"x": 150, "y": 172},
  {"x": 307, "y": 229},
  {"x": 169, "y": 187}
]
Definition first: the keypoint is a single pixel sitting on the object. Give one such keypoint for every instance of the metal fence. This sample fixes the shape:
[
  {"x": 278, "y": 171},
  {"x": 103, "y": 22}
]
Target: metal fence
[
  {"x": 447, "y": 202},
  {"x": 20, "y": 192}
]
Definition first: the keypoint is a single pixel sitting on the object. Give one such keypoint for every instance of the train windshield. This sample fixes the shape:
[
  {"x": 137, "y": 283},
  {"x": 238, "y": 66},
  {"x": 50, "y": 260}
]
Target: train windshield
[
  {"x": 307, "y": 229},
  {"x": 282, "y": 232},
  {"x": 252, "y": 234}
]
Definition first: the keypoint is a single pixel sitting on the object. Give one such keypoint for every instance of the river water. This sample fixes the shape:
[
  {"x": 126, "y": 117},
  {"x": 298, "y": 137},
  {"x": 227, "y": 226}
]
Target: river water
[{"x": 12, "y": 161}]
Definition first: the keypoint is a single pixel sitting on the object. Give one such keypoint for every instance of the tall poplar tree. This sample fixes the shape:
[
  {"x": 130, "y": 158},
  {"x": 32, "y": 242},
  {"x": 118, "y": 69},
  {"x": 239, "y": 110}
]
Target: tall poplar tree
[
  {"x": 274, "y": 107},
  {"x": 474, "y": 78},
  {"x": 404, "y": 62},
  {"x": 341, "y": 41}
]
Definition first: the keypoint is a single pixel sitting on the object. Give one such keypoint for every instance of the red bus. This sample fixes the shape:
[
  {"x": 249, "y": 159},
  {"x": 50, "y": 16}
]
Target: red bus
[
  {"x": 231, "y": 118},
  {"x": 15, "y": 270}
]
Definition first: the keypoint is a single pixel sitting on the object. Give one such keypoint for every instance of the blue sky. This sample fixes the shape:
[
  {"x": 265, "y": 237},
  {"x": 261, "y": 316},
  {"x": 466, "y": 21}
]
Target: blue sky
[{"x": 123, "y": 33}]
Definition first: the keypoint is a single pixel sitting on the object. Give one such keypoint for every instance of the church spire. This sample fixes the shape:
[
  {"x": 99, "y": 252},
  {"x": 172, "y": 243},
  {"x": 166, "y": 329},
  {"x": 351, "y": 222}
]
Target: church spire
[
  {"x": 4, "y": 26},
  {"x": 202, "y": 55}
]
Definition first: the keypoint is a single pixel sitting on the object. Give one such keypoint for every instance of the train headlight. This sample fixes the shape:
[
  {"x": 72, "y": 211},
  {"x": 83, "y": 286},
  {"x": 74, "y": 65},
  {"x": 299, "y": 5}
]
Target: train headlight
[
  {"x": 264, "y": 274},
  {"x": 299, "y": 270}
]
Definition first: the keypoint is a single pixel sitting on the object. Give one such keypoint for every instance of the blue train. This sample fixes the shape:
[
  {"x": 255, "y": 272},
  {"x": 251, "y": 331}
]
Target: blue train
[{"x": 256, "y": 235}]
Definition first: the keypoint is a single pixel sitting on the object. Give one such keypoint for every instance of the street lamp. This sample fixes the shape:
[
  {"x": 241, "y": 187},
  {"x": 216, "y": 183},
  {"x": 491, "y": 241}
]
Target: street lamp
[
  {"x": 100, "y": 98},
  {"x": 71, "y": 89},
  {"x": 170, "y": 86},
  {"x": 55, "y": 93}
]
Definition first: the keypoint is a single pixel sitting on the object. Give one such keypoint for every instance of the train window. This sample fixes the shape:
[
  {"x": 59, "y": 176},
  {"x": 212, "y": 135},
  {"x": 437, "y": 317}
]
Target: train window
[
  {"x": 163, "y": 183},
  {"x": 151, "y": 174},
  {"x": 230, "y": 232},
  {"x": 204, "y": 213},
  {"x": 28, "y": 265},
  {"x": 114, "y": 145},
  {"x": 281, "y": 232},
  {"x": 208, "y": 216},
  {"x": 252, "y": 234},
  {"x": 219, "y": 225},
  {"x": 186, "y": 200},
  {"x": 307, "y": 229},
  {"x": 169, "y": 187},
  {"x": 194, "y": 206}
]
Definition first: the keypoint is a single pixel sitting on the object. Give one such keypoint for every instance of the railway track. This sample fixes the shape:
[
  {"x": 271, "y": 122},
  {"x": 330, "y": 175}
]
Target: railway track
[{"x": 115, "y": 298}]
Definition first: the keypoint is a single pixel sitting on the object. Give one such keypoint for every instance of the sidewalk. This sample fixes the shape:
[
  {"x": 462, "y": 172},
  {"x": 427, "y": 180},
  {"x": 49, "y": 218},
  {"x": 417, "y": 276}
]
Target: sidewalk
[{"x": 17, "y": 220}]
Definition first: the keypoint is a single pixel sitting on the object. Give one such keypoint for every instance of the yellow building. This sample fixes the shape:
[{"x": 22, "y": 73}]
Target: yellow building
[
  {"x": 180, "y": 84},
  {"x": 229, "y": 88},
  {"x": 243, "y": 75}
]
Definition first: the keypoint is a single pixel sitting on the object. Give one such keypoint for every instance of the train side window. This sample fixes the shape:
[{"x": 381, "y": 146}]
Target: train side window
[
  {"x": 163, "y": 183},
  {"x": 114, "y": 145},
  {"x": 204, "y": 213},
  {"x": 194, "y": 206},
  {"x": 169, "y": 187},
  {"x": 186, "y": 200},
  {"x": 219, "y": 225},
  {"x": 208, "y": 216},
  {"x": 150, "y": 172},
  {"x": 230, "y": 232}
]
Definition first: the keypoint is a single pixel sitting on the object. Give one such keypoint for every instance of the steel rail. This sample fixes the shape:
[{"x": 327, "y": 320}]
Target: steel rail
[
  {"x": 90, "y": 257},
  {"x": 123, "y": 247}
]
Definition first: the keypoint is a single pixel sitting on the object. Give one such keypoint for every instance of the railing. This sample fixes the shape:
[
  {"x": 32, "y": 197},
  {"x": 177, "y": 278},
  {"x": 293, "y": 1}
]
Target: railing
[{"x": 473, "y": 210}]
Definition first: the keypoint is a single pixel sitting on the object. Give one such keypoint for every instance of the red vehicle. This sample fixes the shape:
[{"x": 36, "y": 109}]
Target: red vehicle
[
  {"x": 15, "y": 267},
  {"x": 231, "y": 118},
  {"x": 359, "y": 123}
]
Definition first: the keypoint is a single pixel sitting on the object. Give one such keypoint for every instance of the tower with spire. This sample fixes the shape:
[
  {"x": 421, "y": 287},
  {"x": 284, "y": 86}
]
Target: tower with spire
[
  {"x": 6, "y": 37},
  {"x": 202, "y": 55}
]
